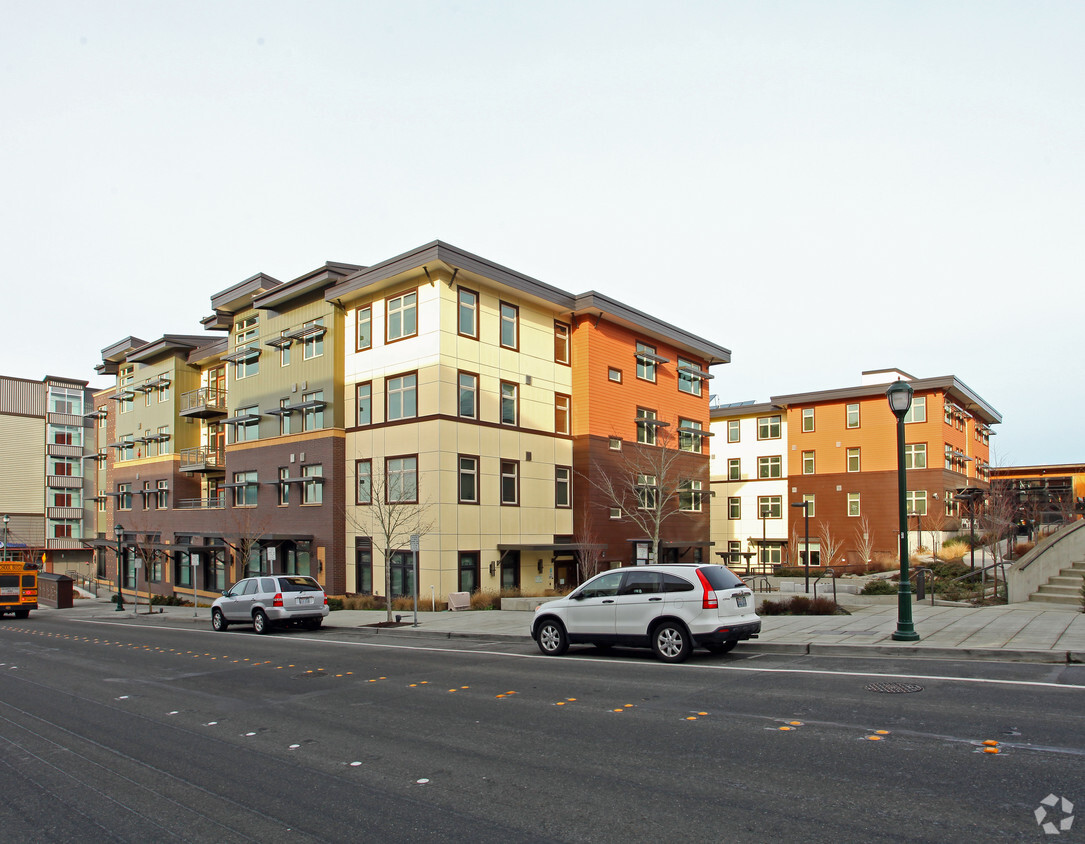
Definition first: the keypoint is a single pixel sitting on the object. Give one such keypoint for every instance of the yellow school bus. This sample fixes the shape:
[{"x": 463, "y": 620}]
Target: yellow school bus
[{"x": 18, "y": 588}]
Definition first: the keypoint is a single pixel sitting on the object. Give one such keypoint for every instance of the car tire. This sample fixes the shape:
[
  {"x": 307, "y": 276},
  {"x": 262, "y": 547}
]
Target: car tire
[
  {"x": 260, "y": 622},
  {"x": 218, "y": 621},
  {"x": 551, "y": 638},
  {"x": 671, "y": 641},
  {"x": 721, "y": 648}
]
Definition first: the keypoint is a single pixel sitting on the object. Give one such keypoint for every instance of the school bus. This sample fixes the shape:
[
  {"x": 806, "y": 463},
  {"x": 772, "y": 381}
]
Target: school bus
[{"x": 18, "y": 588}]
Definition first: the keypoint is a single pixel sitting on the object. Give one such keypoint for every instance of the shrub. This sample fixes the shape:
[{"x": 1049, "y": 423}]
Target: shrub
[
  {"x": 484, "y": 600},
  {"x": 883, "y": 561},
  {"x": 880, "y": 587},
  {"x": 800, "y": 605},
  {"x": 335, "y": 604},
  {"x": 169, "y": 601},
  {"x": 1022, "y": 548}
]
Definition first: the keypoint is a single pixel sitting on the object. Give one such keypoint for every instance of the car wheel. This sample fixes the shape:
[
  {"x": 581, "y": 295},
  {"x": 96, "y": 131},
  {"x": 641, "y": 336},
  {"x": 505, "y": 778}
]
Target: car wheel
[
  {"x": 260, "y": 622},
  {"x": 218, "y": 620},
  {"x": 552, "y": 639},
  {"x": 721, "y": 648},
  {"x": 671, "y": 642}
]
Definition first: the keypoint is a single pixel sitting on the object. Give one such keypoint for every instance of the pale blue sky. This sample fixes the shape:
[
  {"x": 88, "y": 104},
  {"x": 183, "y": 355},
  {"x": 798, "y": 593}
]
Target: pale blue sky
[{"x": 822, "y": 187}]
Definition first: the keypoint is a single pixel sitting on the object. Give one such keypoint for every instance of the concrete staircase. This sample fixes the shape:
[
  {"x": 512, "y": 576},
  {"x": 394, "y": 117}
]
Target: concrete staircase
[{"x": 1062, "y": 588}]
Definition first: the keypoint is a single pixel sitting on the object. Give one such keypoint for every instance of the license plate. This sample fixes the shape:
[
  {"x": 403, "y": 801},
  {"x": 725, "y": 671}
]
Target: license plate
[
  {"x": 305, "y": 599},
  {"x": 740, "y": 601}
]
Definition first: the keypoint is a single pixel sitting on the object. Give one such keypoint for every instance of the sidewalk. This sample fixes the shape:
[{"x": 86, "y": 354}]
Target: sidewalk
[{"x": 1015, "y": 633}]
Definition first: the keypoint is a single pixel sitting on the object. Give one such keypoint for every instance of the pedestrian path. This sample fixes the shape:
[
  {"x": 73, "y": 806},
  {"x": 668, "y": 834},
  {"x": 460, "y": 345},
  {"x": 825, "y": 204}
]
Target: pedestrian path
[{"x": 1018, "y": 632}]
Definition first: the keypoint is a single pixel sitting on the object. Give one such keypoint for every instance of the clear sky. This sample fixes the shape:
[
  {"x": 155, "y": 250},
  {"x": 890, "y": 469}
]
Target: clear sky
[{"x": 821, "y": 187}]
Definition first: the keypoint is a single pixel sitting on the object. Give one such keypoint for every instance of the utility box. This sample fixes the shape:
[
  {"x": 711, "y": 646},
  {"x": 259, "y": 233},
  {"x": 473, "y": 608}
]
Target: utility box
[{"x": 55, "y": 590}]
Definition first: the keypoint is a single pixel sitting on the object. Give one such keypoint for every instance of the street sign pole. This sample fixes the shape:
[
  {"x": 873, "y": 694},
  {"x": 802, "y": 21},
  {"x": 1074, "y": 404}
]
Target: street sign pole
[{"x": 414, "y": 554}]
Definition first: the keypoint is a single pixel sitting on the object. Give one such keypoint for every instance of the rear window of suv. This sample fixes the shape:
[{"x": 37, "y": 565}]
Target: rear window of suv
[
  {"x": 298, "y": 584},
  {"x": 721, "y": 577}
]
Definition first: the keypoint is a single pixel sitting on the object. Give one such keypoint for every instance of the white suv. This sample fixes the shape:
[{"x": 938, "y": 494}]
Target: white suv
[{"x": 669, "y": 608}]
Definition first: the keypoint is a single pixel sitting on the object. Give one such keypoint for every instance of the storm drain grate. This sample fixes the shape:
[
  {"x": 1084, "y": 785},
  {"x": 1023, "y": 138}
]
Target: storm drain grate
[{"x": 894, "y": 688}]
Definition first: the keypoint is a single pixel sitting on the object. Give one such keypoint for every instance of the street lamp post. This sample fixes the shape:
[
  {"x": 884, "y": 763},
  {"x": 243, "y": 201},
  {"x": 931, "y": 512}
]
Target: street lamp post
[
  {"x": 118, "y": 531},
  {"x": 806, "y": 539},
  {"x": 899, "y": 395}
]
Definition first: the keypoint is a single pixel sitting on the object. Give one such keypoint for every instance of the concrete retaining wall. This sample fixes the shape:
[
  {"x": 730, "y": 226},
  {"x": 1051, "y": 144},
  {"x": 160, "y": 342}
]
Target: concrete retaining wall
[{"x": 1060, "y": 551}]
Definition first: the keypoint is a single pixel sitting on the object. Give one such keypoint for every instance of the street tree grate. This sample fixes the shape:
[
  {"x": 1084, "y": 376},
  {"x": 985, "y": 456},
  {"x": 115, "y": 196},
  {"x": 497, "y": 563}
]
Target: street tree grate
[{"x": 894, "y": 688}]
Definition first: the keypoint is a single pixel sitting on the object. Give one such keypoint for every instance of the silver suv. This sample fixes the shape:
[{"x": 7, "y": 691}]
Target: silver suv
[
  {"x": 669, "y": 608},
  {"x": 271, "y": 599}
]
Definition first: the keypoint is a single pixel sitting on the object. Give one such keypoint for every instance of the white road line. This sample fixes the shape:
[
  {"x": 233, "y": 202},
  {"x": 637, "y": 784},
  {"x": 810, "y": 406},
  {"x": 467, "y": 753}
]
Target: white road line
[{"x": 653, "y": 663}]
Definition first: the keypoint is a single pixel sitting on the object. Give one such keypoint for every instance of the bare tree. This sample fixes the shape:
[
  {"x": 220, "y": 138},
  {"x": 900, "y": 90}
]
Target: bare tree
[
  {"x": 243, "y": 528},
  {"x": 864, "y": 540},
  {"x": 589, "y": 551},
  {"x": 650, "y": 484},
  {"x": 935, "y": 522},
  {"x": 830, "y": 544},
  {"x": 999, "y": 516},
  {"x": 391, "y": 516}
]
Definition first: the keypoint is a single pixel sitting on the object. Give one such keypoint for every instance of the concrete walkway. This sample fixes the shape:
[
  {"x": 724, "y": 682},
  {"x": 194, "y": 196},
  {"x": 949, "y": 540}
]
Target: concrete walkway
[{"x": 1018, "y": 632}]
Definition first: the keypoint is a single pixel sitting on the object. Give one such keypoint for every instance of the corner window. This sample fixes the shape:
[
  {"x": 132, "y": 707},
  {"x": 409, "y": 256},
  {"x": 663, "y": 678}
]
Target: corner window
[
  {"x": 689, "y": 435},
  {"x": 401, "y": 480},
  {"x": 363, "y": 413},
  {"x": 562, "y": 407},
  {"x": 689, "y": 378},
  {"x": 401, "y": 316},
  {"x": 468, "y": 479},
  {"x": 916, "y": 502},
  {"x": 510, "y": 326},
  {"x": 915, "y": 456},
  {"x": 402, "y": 397},
  {"x": 467, "y": 313}
]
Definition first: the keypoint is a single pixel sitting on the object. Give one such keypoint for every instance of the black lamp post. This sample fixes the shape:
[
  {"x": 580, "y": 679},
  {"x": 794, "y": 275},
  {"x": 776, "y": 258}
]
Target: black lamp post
[
  {"x": 806, "y": 539},
  {"x": 118, "y": 531},
  {"x": 900, "y": 399}
]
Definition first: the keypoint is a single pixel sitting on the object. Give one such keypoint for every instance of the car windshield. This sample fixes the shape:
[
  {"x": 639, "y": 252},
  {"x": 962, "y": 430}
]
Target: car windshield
[
  {"x": 298, "y": 584},
  {"x": 721, "y": 577}
]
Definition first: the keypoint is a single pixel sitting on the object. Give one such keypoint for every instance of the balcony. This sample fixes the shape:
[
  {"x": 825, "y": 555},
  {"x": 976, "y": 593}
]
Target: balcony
[
  {"x": 204, "y": 403},
  {"x": 63, "y": 482},
  {"x": 202, "y": 459}
]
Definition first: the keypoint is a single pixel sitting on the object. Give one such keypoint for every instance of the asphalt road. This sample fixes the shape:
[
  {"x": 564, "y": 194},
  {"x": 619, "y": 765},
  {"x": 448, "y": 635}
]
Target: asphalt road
[{"x": 134, "y": 731}]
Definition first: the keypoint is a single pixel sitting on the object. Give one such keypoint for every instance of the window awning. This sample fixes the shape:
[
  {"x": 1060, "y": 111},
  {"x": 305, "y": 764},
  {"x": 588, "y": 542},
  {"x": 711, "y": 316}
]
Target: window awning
[
  {"x": 648, "y": 356},
  {"x": 700, "y": 432},
  {"x": 697, "y": 373},
  {"x": 241, "y": 419},
  {"x": 242, "y": 354}
]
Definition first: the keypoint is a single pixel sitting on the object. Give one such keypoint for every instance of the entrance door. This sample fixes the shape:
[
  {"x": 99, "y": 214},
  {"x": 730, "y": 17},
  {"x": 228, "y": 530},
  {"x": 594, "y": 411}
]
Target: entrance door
[
  {"x": 402, "y": 563},
  {"x": 510, "y": 570},
  {"x": 363, "y": 565},
  {"x": 566, "y": 574}
]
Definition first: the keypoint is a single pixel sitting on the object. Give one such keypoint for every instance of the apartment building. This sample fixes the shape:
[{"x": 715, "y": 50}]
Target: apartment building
[
  {"x": 46, "y": 489},
  {"x": 749, "y": 469},
  {"x": 436, "y": 385},
  {"x": 1045, "y": 494},
  {"x": 842, "y": 464}
]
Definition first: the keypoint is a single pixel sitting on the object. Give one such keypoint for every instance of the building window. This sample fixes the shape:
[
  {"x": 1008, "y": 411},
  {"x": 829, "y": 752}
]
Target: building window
[
  {"x": 401, "y": 316},
  {"x": 562, "y": 413},
  {"x": 248, "y": 429},
  {"x": 918, "y": 411},
  {"x": 688, "y": 379},
  {"x": 313, "y": 344},
  {"x": 915, "y": 455},
  {"x": 734, "y": 469},
  {"x": 402, "y": 399},
  {"x": 768, "y": 428},
  {"x": 124, "y": 496},
  {"x": 103, "y": 418},
  {"x": 510, "y": 482},
  {"x": 401, "y": 480},
  {"x": 853, "y": 504},
  {"x": 615, "y": 512},
  {"x": 808, "y": 462},
  {"x": 246, "y": 330},
  {"x": 163, "y": 495},
  {"x": 363, "y": 482},
  {"x": 689, "y": 496},
  {"x": 467, "y": 313},
  {"x": 646, "y": 365},
  {"x": 614, "y": 375},
  {"x": 807, "y": 419},
  {"x": 770, "y": 555},
  {"x": 770, "y": 506},
  {"x": 245, "y": 489},
  {"x": 364, "y": 335},
  {"x": 66, "y": 400},
  {"x": 853, "y": 415},
  {"x": 312, "y": 490},
  {"x": 733, "y": 430},
  {"x": 689, "y": 436},
  {"x": 769, "y": 467},
  {"x": 284, "y": 487},
  {"x": 312, "y": 418},
  {"x": 853, "y": 459},
  {"x": 509, "y": 402},
  {"x": 364, "y": 409},
  {"x": 284, "y": 352},
  {"x": 467, "y": 399},
  {"x": 563, "y": 486},
  {"x": 468, "y": 479},
  {"x": 561, "y": 343},
  {"x": 915, "y": 501},
  {"x": 163, "y": 439},
  {"x": 647, "y": 492},
  {"x": 510, "y": 326},
  {"x": 247, "y": 366},
  {"x": 615, "y": 444},
  {"x": 734, "y": 507},
  {"x": 808, "y": 499},
  {"x": 468, "y": 565},
  {"x": 646, "y": 431}
]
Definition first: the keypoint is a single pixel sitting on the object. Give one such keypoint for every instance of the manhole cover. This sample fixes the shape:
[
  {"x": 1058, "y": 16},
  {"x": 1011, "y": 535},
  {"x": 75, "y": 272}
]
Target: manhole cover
[{"x": 894, "y": 688}]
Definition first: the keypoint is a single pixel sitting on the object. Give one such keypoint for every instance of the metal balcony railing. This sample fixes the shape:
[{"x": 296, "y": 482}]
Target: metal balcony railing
[
  {"x": 202, "y": 458},
  {"x": 206, "y": 401}
]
